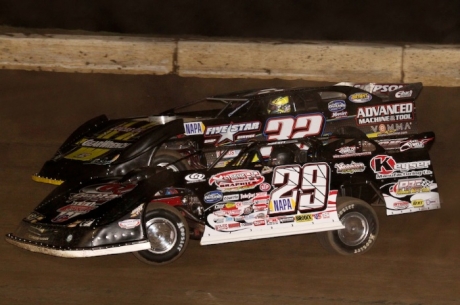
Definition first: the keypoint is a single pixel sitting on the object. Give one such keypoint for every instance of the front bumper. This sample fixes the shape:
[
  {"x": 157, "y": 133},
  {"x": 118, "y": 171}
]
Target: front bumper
[
  {"x": 70, "y": 252},
  {"x": 77, "y": 241}
]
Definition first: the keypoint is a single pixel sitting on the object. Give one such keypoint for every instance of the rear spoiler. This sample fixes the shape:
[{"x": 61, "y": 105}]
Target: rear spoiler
[{"x": 389, "y": 92}]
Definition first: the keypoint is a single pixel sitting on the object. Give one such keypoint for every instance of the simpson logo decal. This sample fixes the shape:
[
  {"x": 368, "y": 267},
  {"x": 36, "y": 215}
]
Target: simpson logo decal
[
  {"x": 194, "y": 128},
  {"x": 385, "y": 113},
  {"x": 285, "y": 128},
  {"x": 228, "y": 131},
  {"x": 299, "y": 188},
  {"x": 385, "y": 88},
  {"x": 359, "y": 98},
  {"x": 386, "y": 167},
  {"x": 237, "y": 180}
]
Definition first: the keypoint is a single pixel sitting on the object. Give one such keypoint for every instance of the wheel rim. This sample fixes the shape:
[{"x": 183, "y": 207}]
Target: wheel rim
[
  {"x": 356, "y": 229},
  {"x": 162, "y": 235},
  {"x": 170, "y": 166}
]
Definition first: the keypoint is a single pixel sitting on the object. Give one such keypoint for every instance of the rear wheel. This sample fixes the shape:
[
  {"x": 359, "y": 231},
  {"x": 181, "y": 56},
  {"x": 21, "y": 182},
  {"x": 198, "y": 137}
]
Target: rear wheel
[
  {"x": 360, "y": 232},
  {"x": 168, "y": 234}
]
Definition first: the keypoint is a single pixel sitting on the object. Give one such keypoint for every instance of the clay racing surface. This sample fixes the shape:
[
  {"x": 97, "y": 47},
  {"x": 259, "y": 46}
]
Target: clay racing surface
[{"x": 416, "y": 259}]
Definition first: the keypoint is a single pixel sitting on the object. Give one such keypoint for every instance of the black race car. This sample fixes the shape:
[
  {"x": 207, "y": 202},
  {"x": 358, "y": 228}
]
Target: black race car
[
  {"x": 228, "y": 178},
  {"x": 103, "y": 147}
]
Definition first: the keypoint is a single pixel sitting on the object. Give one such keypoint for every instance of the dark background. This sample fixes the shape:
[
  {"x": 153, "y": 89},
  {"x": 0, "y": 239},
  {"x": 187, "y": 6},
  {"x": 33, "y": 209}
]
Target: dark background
[{"x": 403, "y": 21}]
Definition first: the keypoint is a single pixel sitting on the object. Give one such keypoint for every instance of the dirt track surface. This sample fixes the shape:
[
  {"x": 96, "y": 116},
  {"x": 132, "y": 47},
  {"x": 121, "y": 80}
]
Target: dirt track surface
[{"x": 416, "y": 259}]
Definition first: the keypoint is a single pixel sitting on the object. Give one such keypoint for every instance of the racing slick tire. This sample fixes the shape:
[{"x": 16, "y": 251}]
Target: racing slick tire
[
  {"x": 168, "y": 234},
  {"x": 168, "y": 158},
  {"x": 360, "y": 232}
]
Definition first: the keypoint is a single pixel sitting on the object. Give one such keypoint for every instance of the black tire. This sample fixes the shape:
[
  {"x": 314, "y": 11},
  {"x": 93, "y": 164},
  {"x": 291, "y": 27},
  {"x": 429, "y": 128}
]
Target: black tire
[
  {"x": 361, "y": 228},
  {"x": 168, "y": 158},
  {"x": 168, "y": 233}
]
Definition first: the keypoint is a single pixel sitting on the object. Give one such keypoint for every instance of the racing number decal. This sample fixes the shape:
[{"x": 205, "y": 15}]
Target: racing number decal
[
  {"x": 303, "y": 189},
  {"x": 285, "y": 128}
]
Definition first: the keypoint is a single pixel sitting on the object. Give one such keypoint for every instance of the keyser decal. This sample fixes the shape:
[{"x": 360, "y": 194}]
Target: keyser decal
[{"x": 386, "y": 167}]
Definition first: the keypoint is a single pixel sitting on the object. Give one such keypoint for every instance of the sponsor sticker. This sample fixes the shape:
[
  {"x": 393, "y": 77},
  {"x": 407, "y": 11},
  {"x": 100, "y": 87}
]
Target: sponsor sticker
[
  {"x": 237, "y": 180},
  {"x": 386, "y": 167},
  {"x": 400, "y": 205},
  {"x": 410, "y": 186},
  {"x": 414, "y": 144},
  {"x": 418, "y": 203},
  {"x": 336, "y": 106},
  {"x": 387, "y": 113},
  {"x": 195, "y": 177},
  {"x": 129, "y": 223},
  {"x": 229, "y": 131},
  {"x": 282, "y": 205},
  {"x": 303, "y": 218},
  {"x": 105, "y": 144},
  {"x": 361, "y": 97},
  {"x": 353, "y": 167},
  {"x": 213, "y": 197},
  {"x": 403, "y": 94},
  {"x": 194, "y": 128},
  {"x": 89, "y": 198}
]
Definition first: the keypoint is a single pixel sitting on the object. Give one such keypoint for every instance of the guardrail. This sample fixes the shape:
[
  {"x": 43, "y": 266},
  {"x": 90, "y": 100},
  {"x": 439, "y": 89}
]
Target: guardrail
[{"x": 434, "y": 65}]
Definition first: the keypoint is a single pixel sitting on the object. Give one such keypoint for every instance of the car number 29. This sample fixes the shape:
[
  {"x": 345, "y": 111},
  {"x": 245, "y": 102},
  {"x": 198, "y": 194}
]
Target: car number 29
[{"x": 299, "y": 188}]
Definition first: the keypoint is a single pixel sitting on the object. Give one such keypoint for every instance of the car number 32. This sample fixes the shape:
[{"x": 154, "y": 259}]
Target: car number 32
[{"x": 285, "y": 128}]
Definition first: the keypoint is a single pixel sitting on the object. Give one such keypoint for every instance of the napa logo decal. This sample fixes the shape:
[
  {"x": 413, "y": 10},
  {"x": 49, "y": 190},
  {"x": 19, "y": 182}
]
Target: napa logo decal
[{"x": 194, "y": 128}]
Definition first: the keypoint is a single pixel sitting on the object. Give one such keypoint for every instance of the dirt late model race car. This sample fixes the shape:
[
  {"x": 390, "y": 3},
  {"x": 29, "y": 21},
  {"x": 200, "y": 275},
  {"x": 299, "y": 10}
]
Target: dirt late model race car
[
  {"x": 220, "y": 183},
  {"x": 103, "y": 147}
]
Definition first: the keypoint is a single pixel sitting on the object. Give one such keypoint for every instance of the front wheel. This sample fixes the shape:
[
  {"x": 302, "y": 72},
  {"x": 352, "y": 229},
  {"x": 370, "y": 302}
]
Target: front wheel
[
  {"x": 168, "y": 234},
  {"x": 169, "y": 159},
  {"x": 360, "y": 232}
]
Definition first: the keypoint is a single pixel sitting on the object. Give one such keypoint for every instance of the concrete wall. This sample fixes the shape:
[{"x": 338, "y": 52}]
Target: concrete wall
[{"x": 434, "y": 65}]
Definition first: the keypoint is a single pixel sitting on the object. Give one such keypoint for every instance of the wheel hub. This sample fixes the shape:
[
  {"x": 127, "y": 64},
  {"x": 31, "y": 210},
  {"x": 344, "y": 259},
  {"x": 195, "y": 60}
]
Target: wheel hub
[
  {"x": 356, "y": 229},
  {"x": 162, "y": 235}
]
